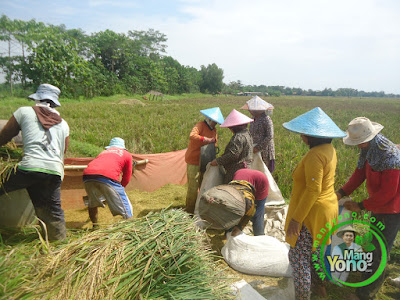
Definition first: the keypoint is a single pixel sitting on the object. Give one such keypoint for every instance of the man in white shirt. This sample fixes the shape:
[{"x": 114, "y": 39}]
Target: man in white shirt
[{"x": 45, "y": 137}]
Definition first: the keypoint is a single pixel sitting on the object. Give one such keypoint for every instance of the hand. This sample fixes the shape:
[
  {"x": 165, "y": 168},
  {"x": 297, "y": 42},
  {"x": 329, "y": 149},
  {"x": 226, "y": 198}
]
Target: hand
[
  {"x": 293, "y": 228},
  {"x": 236, "y": 231},
  {"x": 208, "y": 140},
  {"x": 214, "y": 163},
  {"x": 338, "y": 195},
  {"x": 352, "y": 206}
]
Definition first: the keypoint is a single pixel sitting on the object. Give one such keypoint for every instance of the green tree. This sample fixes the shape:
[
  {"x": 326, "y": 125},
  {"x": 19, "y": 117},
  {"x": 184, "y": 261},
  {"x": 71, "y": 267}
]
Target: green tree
[
  {"x": 212, "y": 77},
  {"x": 150, "y": 42},
  {"x": 7, "y": 29},
  {"x": 57, "y": 62}
]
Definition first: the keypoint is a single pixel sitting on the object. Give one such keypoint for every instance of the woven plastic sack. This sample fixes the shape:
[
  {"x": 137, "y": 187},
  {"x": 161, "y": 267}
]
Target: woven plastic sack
[
  {"x": 212, "y": 177},
  {"x": 222, "y": 206},
  {"x": 274, "y": 196},
  {"x": 257, "y": 255}
]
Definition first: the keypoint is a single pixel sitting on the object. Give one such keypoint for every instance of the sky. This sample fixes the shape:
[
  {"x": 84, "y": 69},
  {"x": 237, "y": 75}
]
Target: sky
[{"x": 308, "y": 44}]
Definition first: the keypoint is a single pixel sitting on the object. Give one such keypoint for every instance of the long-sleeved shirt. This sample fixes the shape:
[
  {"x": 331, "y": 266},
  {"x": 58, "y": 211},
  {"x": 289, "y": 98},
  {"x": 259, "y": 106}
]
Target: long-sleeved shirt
[
  {"x": 111, "y": 163},
  {"x": 196, "y": 137},
  {"x": 238, "y": 154},
  {"x": 383, "y": 189},
  {"x": 313, "y": 200},
  {"x": 262, "y": 132}
]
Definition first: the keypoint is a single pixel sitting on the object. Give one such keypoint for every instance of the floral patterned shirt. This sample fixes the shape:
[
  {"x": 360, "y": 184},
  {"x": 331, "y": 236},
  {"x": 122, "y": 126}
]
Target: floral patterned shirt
[{"x": 262, "y": 132}]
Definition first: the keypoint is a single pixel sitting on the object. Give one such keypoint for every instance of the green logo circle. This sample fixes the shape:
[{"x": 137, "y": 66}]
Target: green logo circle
[{"x": 378, "y": 235}]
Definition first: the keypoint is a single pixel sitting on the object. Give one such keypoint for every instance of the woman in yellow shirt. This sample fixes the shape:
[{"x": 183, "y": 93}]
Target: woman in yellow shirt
[{"x": 313, "y": 202}]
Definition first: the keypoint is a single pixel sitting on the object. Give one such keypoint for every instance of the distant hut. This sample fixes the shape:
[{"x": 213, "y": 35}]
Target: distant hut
[{"x": 155, "y": 94}]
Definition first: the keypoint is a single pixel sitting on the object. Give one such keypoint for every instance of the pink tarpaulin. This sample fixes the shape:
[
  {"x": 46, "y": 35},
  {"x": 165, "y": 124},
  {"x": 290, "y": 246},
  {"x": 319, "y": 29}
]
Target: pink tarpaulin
[{"x": 161, "y": 169}]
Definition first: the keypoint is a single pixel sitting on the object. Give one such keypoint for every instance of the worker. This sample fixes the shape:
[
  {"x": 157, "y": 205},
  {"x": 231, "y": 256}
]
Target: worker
[
  {"x": 232, "y": 206},
  {"x": 261, "y": 185},
  {"x": 45, "y": 137},
  {"x": 262, "y": 130},
  {"x": 228, "y": 206},
  {"x": 238, "y": 153},
  {"x": 202, "y": 133},
  {"x": 101, "y": 179}
]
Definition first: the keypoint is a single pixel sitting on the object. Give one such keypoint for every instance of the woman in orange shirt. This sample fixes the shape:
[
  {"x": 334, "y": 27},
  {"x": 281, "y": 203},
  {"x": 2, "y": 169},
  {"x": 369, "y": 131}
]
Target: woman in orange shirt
[{"x": 203, "y": 133}]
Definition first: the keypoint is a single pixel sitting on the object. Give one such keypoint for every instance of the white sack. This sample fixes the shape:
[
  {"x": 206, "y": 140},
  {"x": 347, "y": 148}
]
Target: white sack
[
  {"x": 274, "y": 196},
  {"x": 395, "y": 281},
  {"x": 257, "y": 255}
]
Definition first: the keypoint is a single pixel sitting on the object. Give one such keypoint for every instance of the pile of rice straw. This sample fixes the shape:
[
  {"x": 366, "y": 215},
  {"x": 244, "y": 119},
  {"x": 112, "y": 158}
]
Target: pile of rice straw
[
  {"x": 10, "y": 155},
  {"x": 160, "y": 256}
]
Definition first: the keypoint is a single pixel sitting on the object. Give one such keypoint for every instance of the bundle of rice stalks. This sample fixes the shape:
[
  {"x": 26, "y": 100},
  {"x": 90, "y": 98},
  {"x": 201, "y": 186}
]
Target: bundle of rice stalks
[
  {"x": 160, "y": 256},
  {"x": 10, "y": 155}
]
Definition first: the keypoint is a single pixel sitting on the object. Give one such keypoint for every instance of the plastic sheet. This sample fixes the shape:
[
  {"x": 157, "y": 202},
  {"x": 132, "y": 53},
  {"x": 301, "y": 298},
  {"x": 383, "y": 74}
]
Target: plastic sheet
[{"x": 161, "y": 169}]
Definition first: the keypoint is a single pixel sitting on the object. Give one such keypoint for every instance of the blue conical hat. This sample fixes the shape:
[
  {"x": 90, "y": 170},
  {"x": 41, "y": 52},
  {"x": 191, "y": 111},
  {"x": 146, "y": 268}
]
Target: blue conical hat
[
  {"x": 214, "y": 114},
  {"x": 315, "y": 123}
]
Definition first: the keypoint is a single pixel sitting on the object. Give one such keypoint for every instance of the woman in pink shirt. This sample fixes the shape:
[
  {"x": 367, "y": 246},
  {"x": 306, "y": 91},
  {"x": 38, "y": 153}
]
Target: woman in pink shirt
[
  {"x": 261, "y": 185},
  {"x": 379, "y": 165}
]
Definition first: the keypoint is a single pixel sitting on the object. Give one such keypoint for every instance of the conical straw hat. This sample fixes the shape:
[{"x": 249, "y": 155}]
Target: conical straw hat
[
  {"x": 236, "y": 118},
  {"x": 315, "y": 123},
  {"x": 214, "y": 114},
  {"x": 256, "y": 103}
]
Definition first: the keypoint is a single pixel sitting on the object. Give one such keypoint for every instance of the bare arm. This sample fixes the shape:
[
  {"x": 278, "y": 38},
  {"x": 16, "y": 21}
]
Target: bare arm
[
  {"x": 10, "y": 130},
  {"x": 66, "y": 144}
]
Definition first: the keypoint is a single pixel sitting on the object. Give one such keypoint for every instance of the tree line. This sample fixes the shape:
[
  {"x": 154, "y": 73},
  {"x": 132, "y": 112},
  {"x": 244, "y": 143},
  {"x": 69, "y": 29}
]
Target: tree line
[
  {"x": 107, "y": 63},
  {"x": 236, "y": 87},
  {"x": 101, "y": 64}
]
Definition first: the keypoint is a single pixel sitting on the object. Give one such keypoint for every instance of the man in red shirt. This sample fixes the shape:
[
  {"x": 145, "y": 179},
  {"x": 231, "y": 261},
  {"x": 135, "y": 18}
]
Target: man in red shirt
[
  {"x": 261, "y": 185},
  {"x": 102, "y": 180}
]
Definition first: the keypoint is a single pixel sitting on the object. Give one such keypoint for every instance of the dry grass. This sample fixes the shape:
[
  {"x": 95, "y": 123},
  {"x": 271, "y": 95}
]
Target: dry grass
[{"x": 131, "y": 102}]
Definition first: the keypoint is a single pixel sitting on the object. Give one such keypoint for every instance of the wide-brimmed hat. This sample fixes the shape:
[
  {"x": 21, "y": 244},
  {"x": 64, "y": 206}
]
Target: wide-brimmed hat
[
  {"x": 117, "y": 142},
  {"x": 315, "y": 123},
  {"x": 46, "y": 91},
  {"x": 345, "y": 229},
  {"x": 257, "y": 104},
  {"x": 236, "y": 118},
  {"x": 214, "y": 114},
  {"x": 361, "y": 130}
]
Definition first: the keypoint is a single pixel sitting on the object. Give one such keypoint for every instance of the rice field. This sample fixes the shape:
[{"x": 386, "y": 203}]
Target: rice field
[{"x": 163, "y": 126}]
